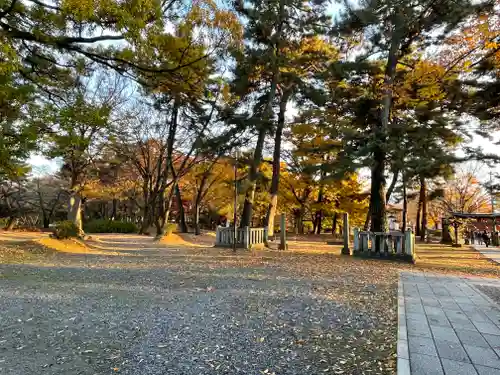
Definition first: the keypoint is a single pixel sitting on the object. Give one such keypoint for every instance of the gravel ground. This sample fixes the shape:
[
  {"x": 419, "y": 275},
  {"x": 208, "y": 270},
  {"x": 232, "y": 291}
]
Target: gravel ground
[
  {"x": 491, "y": 291},
  {"x": 198, "y": 313}
]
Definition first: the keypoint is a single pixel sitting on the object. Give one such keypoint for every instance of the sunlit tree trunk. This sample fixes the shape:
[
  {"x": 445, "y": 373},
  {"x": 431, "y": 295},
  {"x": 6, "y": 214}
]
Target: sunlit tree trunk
[
  {"x": 11, "y": 223},
  {"x": 182, "y": 214},
  {"x": 271, "y": 212},
  {"x": 75, "y": 210},
  {"x": 246, "y": 216},
  {"x": 423, "y": 192},
  {"x": 377, "y": 196}
]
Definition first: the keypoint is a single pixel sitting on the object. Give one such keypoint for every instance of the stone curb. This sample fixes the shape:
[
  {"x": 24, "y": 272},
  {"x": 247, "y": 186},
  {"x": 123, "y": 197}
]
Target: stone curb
[{"x": 403, "y": 363}]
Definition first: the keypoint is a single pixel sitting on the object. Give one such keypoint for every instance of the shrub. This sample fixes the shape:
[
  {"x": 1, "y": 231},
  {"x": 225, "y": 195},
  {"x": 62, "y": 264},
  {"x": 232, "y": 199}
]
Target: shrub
[
  {"x": 66, "y": 229},
  {"x": 109, "y": 226},
  {"x": 3, "y": 222}
]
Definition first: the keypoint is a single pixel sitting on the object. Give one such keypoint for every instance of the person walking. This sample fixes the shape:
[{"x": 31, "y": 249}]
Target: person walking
[
  {"x": 486, "y": 238},
  {"x": 479, "y": 237}
]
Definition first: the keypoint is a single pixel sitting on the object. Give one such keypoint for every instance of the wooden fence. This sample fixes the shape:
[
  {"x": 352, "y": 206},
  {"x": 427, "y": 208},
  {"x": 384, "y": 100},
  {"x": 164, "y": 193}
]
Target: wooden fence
[
  {"x": 246, "y": 238},
  {"x": 388, "y": 243}
]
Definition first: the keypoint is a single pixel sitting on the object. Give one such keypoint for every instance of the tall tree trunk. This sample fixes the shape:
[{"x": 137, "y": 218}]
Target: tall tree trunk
[
  {"x": 302, "y": 212},
  {"x": 180, "y": 207},
  {"x": 147, "y": 218},
  {"x": 315, "y": 224},
  {"x": 271, "y": 212},
  {"x": 164, "y": 213},
  {"x": 377, "y": 197},
  {"x": 417, "y": 224},
  {"x": 197, "y": 230},
  {"x": 246, "y": 216},
  {"x": 146, "y": 222},
  {"x": 405, "y": 211},
  {"x": 114, "y": 208},
  {"x": 334, "y": 224},
  {"x": 420, "y": 209},
  {"x": 75, "y": 210},
  {"x": 11, "y": 223},
  {"x": 377, "y": 194},
  {"x": 423, "y": 227},
  {"x": 366, "y": 226},
  {"x": 46, "y": 222},
  {"x": 197, "y": 202},
  {"x": 319, "y": 213},
  {"x": 319, "y": 227},
  {"x": 296, "y": 221}
]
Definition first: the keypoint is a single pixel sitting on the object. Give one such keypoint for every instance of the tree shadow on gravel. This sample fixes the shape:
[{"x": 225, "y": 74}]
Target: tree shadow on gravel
[{"x": 261, "y": 318}]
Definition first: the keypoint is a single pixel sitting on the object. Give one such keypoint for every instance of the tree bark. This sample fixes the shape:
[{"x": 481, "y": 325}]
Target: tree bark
[
  {"x": 377, "y": 197},
  {"x": 114, "y": 209},
  {"x": 75, "y": 210},
  {"x": 366, "y": 226},
  {"x": 180, "y": 207},
  {"x": 392, "y": 186},
  {"x": 417, "y": 224},
  {"x": 246, "y": 216},
  {"x": 420, "y": 209},
  {"x": 334, "y": 224},
  {"x": 423, "y": 227},
  {"x": 11, "y": 223},
  {"x": 302, "y": 212},
  {"x": 319, "y": 213},
  {"x": 163, "y": 214},
  {"x": 271, "y": 212},
  {"x": 197, "y": 230},
  {"x": 405, "y": 212}
]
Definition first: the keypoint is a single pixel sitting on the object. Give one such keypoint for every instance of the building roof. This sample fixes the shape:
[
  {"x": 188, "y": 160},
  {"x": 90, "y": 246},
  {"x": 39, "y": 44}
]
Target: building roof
[{"x": 475, "y": 215}]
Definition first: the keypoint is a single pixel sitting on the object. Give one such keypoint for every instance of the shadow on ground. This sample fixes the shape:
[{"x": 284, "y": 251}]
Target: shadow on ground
[{"x": 168, "y": 310}]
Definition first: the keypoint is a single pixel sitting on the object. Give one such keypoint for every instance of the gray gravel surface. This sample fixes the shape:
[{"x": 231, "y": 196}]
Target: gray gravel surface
[
  {"x": 491, "y": 291},
  {"x": 204, "y": 314}
]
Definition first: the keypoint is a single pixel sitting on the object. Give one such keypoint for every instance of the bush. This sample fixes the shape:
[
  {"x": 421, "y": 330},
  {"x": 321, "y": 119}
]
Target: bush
[
  {"x": 3, "y": 222},
  {"x": 109, "y": 226},
  {"x": 66, "y": 229}
]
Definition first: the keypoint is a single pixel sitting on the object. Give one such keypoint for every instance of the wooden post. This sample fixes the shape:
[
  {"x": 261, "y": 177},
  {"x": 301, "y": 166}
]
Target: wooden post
[
  {"x": 345, "y": 249},
  {"x": 283, "y": 245}
]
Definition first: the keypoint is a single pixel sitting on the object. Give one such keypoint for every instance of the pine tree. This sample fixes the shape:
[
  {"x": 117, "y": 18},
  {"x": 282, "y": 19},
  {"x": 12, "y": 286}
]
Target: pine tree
[
  {"x": 273, "y": 29},
  {"x": 393, "y": 29}
]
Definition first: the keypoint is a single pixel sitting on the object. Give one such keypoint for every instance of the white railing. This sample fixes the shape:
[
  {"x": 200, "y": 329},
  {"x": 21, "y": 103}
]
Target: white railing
[
  {"x": 384, "y": 243},
  {"x": 245, "y": 237}
]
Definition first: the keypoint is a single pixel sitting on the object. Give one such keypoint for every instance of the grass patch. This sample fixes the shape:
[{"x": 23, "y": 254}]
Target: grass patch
[{"x": 444, "y": 258}]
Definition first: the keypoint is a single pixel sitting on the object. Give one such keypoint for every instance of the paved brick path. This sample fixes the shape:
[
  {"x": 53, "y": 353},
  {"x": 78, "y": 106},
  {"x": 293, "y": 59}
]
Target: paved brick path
[{"x": 446, "y": 326}]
